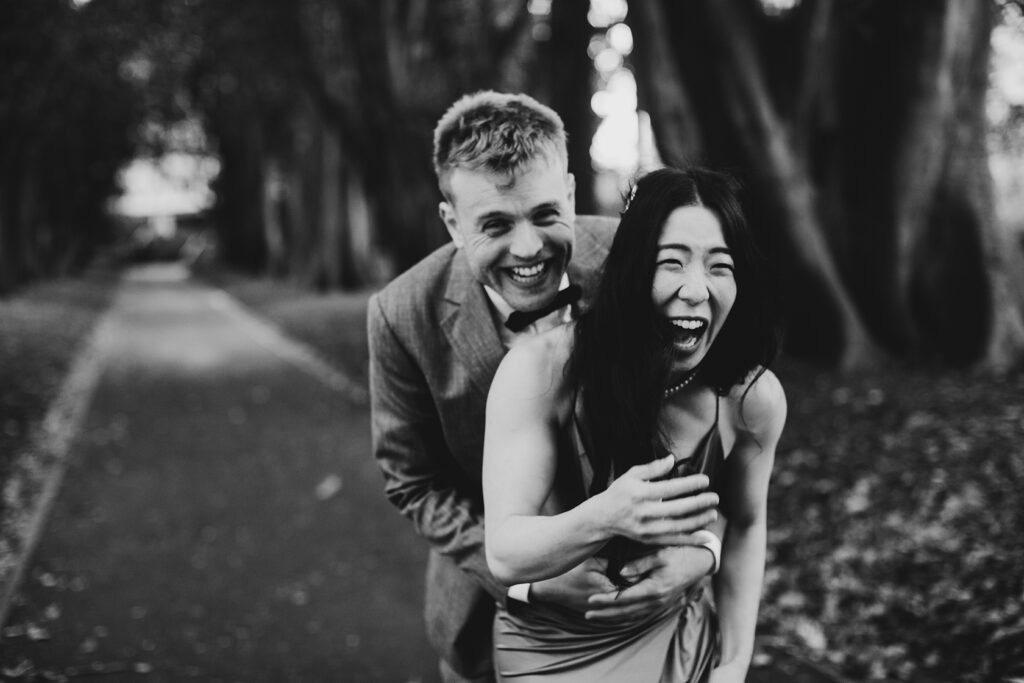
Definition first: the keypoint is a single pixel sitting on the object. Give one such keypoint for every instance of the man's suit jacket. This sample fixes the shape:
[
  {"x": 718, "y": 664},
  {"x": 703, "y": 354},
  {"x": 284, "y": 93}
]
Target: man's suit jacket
[{"x": 434, "y": 350}]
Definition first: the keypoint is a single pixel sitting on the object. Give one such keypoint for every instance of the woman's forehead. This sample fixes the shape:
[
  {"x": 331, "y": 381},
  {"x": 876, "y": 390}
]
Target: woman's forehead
[{"x": 692, "y": 228}]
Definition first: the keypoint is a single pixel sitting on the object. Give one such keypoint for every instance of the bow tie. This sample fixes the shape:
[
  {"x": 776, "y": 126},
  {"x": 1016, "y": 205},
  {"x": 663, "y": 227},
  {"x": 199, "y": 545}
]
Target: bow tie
[{"x": 518, "y": 320}]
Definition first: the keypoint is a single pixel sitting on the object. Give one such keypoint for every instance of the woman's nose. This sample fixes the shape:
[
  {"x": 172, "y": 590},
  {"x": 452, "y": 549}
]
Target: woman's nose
[
  {"x": 693, "y": 286},
  {"x": 526, "y": 241}
]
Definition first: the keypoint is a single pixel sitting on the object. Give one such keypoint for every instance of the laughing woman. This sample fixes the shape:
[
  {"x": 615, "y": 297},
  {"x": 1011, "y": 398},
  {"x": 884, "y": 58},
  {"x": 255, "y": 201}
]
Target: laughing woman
[{"x": 602, "y": 436}]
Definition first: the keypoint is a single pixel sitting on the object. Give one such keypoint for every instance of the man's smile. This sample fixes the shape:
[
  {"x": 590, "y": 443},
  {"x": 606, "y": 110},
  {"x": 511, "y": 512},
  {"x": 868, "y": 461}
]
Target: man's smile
[{"x": 529, "y": 274}]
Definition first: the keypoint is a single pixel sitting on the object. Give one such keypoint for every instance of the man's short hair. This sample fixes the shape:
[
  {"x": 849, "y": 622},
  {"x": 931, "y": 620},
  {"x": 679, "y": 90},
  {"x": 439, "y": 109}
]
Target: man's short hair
[{"x": 496, "y": 132}]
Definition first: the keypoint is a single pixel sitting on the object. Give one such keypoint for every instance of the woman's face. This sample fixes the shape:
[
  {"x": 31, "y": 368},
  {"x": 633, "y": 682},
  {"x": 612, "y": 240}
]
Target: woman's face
[{"x": 694, "y": 283}]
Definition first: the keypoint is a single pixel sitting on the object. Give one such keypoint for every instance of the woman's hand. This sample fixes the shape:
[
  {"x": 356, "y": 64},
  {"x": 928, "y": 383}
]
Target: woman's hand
[{"x": 665, "y": 512}]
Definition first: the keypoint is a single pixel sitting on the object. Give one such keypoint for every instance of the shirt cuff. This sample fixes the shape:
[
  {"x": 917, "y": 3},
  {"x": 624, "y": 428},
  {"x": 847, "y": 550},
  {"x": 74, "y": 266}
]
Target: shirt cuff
[
  {"x": 520, "y": 592},
  {"x": 708, "y": 539}
]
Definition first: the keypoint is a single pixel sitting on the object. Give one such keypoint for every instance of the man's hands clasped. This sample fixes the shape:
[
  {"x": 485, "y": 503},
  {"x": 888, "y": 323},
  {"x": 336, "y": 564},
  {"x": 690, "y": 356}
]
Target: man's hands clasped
[{"x": 644, "y": 507}]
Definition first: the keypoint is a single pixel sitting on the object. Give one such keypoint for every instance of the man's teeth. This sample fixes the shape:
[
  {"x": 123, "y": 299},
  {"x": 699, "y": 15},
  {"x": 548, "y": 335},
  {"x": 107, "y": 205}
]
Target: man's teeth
[{"x": 526, "y": 272}]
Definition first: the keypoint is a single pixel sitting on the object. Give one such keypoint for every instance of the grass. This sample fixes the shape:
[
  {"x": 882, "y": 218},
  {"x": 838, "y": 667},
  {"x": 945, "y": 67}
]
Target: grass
[{"x": 42, "y": 327}]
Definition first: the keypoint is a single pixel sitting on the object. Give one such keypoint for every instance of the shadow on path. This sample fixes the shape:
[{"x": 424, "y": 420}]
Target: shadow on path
[{"x": 220, "y": 519}]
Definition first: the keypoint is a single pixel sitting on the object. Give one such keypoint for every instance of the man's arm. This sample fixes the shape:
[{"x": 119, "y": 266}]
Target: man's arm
[{"x": 421, "y": 479}]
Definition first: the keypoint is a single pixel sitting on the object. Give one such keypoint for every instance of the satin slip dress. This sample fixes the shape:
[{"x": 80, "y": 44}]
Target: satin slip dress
[{"x": 540, "y": 642}]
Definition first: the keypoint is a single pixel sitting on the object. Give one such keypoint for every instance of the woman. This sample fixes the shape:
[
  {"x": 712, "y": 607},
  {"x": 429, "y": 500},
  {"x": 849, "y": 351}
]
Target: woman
[{"x": 586, "y": 425}]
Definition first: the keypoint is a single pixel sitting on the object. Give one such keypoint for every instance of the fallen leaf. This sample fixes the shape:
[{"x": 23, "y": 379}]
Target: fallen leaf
[{"x": 328, "y": 487}]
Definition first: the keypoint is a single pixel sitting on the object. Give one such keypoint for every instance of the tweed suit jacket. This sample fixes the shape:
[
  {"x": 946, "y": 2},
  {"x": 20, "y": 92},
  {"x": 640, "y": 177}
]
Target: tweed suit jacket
[{"x": 434, "y": 350}]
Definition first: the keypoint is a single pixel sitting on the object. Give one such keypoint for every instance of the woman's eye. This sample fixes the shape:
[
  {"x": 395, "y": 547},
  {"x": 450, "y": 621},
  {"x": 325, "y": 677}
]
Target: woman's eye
[
  {"x": 722, "y": 268},
  {"x": 669, "y": 263}
]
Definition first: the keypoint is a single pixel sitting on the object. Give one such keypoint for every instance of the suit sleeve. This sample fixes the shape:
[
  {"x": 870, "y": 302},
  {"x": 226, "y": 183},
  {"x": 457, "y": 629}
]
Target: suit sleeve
[{"x": 421, "y": 478}]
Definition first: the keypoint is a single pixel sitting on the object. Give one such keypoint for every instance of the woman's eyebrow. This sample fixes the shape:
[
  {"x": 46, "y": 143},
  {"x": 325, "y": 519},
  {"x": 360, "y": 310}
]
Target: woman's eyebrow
[{"x": 688, "y": 249}]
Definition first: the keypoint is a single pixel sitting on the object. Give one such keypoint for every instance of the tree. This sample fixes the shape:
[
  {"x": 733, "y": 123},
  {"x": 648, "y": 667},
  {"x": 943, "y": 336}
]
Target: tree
[
  {"x": 68, "y": 125},
  {"x": 862, "y": 129}
]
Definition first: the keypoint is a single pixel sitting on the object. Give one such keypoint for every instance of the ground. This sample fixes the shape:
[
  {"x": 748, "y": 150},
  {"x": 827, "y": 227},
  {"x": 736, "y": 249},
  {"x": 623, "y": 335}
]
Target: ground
[{"x": 894, "y": 548}]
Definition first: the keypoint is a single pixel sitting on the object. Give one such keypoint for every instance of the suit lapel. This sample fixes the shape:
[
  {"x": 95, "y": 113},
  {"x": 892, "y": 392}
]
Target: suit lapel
[
  {"x": 468, "y": 325},
  {"x": 585, "y": 267}
]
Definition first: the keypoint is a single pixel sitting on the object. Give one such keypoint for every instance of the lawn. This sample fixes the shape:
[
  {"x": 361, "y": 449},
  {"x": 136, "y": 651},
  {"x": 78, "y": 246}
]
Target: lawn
[{"x": 42, "y": 326}]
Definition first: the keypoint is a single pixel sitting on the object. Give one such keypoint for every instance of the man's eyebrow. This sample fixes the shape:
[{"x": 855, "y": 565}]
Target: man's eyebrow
[{"x": 489, "y": 215}]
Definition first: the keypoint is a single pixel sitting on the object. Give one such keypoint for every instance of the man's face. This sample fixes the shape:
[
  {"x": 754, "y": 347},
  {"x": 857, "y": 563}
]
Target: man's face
[{"x": 517, "y": 232}]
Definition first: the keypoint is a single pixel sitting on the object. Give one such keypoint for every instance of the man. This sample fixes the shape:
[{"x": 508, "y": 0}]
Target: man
[{"x": 437, "y": 334}]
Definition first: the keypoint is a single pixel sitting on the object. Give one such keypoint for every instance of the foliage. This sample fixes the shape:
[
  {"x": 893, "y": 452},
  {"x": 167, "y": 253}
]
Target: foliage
[
  {"x": 68, "y": 120},
  {"x": 895, "y": 524}
]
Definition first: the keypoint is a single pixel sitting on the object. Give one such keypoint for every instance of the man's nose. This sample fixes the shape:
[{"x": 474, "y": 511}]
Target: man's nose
[{"x": 526, "y": 241}]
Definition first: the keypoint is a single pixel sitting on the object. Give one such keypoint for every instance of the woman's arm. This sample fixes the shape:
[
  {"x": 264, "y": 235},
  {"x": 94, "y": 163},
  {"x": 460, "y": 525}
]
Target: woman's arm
[
  {"x": 528, "y": 404},
  {"x": 757, "y": 423}
]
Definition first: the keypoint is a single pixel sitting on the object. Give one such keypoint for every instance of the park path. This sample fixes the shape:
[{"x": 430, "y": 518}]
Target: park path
[{"x": 220, "y": 517}]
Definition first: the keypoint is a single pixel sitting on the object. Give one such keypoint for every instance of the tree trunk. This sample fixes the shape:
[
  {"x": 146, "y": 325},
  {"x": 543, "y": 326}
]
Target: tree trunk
[
  {"x": 661, "y": 90},
  {"x": 571, "y": 84},
  {"x": 332, "y": 249},
  {"x": 748, "y": 121}
]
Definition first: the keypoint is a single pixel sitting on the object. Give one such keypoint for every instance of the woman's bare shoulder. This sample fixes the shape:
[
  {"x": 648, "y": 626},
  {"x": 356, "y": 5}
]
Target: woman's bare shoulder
[
  {"x": 758, "y": 404},
  {"x": 536, "y": 366}
]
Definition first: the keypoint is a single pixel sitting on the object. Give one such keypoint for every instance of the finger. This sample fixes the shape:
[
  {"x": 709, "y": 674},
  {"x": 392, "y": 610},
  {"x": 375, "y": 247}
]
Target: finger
[
  {"x": 652, "y": 470},
  {"x": 678, "y": 486},
  {"x": 641, "y": 565},
  {"x": 676, "y": 531},
  {"x": 690, "y": 505},
  {"x": 597, "y": 583},
  {"x": 644, "y": 591}
]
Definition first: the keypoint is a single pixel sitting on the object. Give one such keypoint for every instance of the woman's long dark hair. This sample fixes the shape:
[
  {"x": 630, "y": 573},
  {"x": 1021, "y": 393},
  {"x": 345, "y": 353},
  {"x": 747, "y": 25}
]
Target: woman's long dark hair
[{"x": 621, "y": 356}]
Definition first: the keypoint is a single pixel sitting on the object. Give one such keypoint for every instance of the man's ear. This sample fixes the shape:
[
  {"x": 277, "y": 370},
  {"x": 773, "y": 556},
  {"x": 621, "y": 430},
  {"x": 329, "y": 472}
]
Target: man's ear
[
  {"x": 447, "y": 213},
  {"x": 570, "y": 182}
]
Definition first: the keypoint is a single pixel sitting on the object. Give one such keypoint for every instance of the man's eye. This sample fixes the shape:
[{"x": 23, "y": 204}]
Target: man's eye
[
  {"x": 545, "y": 216},
  {"x": 495, "y": 226}
]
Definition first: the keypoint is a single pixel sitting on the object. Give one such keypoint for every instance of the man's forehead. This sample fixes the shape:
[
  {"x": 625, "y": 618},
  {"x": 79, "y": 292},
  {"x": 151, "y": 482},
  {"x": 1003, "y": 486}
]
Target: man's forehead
[{"x": 478, "y": 190}]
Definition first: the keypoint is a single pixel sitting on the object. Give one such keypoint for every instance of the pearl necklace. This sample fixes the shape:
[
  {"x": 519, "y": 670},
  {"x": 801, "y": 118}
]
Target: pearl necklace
[{"x": 676, "y": 388}]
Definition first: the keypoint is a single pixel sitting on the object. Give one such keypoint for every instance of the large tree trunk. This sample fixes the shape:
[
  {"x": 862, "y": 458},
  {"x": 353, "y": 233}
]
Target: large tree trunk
[
  {"x": 969, "y": 179},
  {"x": 862, "y": 129},
  {"x": 661, "y": 90},
  {"x": 761, "y": 141},
  {"x": 571, "y": 84}
]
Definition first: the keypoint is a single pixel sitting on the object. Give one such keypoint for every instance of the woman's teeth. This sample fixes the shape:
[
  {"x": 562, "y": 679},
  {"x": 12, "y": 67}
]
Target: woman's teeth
[{"x": 688, "y": 333}]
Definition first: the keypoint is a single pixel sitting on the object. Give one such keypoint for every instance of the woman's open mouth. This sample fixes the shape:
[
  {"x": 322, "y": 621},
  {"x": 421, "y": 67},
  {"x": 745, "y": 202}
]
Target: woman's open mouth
[{"x": 687, "y": 332}]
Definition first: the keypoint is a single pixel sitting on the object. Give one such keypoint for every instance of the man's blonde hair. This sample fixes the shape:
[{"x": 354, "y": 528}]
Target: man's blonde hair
[{"x": 498, "y": 133}]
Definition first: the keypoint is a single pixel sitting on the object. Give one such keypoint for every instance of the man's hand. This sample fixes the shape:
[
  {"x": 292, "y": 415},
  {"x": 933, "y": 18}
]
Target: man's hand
[
  {"x": 664, "y": 577},
  {"x": 573, "y": 588}
]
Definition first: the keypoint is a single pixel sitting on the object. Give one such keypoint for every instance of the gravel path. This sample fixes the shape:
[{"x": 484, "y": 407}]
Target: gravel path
[{"x": 220, "y": 518}]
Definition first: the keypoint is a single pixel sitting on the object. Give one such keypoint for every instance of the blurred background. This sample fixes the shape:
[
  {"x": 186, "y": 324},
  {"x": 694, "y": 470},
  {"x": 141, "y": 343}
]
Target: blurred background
[{"x": 280, "y": 150}]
